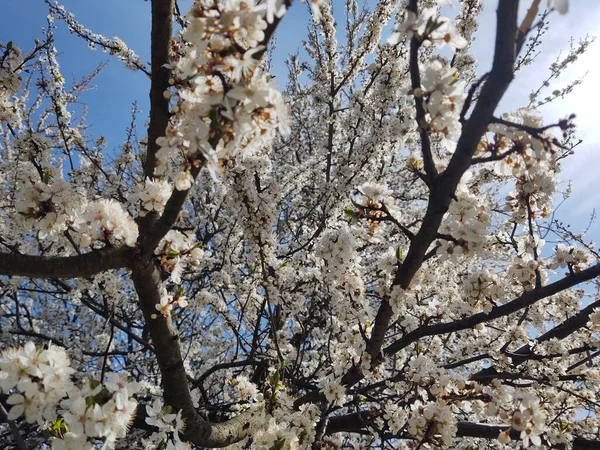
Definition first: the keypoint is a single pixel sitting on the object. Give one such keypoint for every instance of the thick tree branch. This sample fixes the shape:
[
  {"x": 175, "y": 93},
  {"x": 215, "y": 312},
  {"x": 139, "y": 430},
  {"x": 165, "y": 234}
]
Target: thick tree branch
[
  {"x": 440, "y": 196},
  {"x": 487, "y": 431},
  {"x": 147, "y": 281},
  {"x": 560, "y": 331},
  {"x": 162, "y": 29},
  {"x": 356, "y": 423},
  {"x": 525, "y": 300},
  {"x": 76, "y": 266},
  {"x": 445, "y": 185}
]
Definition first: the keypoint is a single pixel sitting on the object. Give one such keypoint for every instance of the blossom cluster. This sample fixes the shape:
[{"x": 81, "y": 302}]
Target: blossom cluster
[
  {"x": 178, "y": 250},
  {"x": 437, "y": 418},
  {"x": 282, "y": 426},
  {"x": 106, "y": 221},
  {"x": 10, "y": 81},
  {"x": 169, "y": 426},
  {"x": 337, "y": 248},
  {"x": 482, "y": 289},
  {"x": 40, "y": 387},
  {"x": 102, "y": 411},
  {"x": 529, "y": 419},
  {"x": 42, "y": 377},
  {"x": 444, "y": 94},
  {"x": 223, "y": 104},
  {"x": 524, "y": 270},
  {"x": 175, "y": 253},
  {"x": 51, "y": 205},
  {"x": 531, "y": 159},
  {"x": 154, "y": 195},
  {"x": 427, "y": 26},
  {"x": 465, "y": 224},
  {"x": 575, "y": 259}
]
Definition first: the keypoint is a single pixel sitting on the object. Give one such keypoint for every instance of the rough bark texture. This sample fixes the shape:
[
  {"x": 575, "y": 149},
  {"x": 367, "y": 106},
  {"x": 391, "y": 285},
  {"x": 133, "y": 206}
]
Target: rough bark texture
[{"x": 84, "y": 265}]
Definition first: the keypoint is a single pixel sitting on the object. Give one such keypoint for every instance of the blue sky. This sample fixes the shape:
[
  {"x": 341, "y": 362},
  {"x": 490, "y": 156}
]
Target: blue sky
[{"x": 117, "y": 88}]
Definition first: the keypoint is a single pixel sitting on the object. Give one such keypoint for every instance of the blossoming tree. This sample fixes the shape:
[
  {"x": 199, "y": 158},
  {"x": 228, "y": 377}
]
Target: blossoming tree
[{"x": 334, "y": 264}]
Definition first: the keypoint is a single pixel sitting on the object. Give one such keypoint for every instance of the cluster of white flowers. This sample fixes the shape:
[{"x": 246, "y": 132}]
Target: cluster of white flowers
[
  {"x": 529, "y": 418},
  {"x": 42, "y": 376},
  {"x": 49, "y": 207},
  {"x": 444, "y": 95},
  {"x": 106, "y": 221},
  {"x": 425, "y": 372},
  {"x": 85, "y": 417},
  {"x": 55, "y": 86},
  {"x": 154, "y": 195},
  {"x": 43, "y": 199},
  {"x": 533, "y": 196},
  {"x": 334, "y": 390},
  {"x": 169, "y": 301},
  {"x": 594, "y": 322},
  {"x": 10, "y": 82},
  {"x": 395, "y": 416},
  {"x": 284, "y": 428},
  {"x": 567, "y": 256},
  {"x": 527, "y": 153},
  {"x": 531, "y": 159},
  {"x": 523, "y": 270},
  {"x": 223, "y": 103},
  {"x": 429, "y": 27},
  {"x": 245, "y": 389},
  {"x": 350, "y": 350},
  {"x": 38, "y": 381},
  {"x": 375, "y": 192},
  {"x": 177, "y": 251},
  {"x": 466, "y": 222},
  {"x": 374, "y": 202},
  {"x": 436, "y": 418},
  {"x": 482, "y": 288},
  {"x": 338, "y": 250},
  {"x": 169, "y": 425},
  {"x": 401, "y": 301}
]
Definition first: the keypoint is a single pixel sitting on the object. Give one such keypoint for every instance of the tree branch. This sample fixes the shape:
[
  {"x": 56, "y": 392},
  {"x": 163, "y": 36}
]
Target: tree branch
[
  {"x": 147, "y": 281},
  {"x": 153, "y": 229},
  {"x": 76, "y": 266},
  {"x": 162, "y": 29},
  {"x": 445, "y": 185},
  {"x": 356, "y": 423},
  {"x": 525, "y": 300},
  {"x": 20, "y": 443},
  {"x": 415, "y": 78}
]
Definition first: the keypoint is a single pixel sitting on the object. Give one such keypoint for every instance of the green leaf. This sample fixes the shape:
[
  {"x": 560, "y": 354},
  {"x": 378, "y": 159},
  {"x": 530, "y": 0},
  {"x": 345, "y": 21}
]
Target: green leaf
[
  {"x": 58, "y": 428},
  {"x": 349, "y": 212},
  {"x": 399, "y": 253},
  {"x": 279, "y": 443}
]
